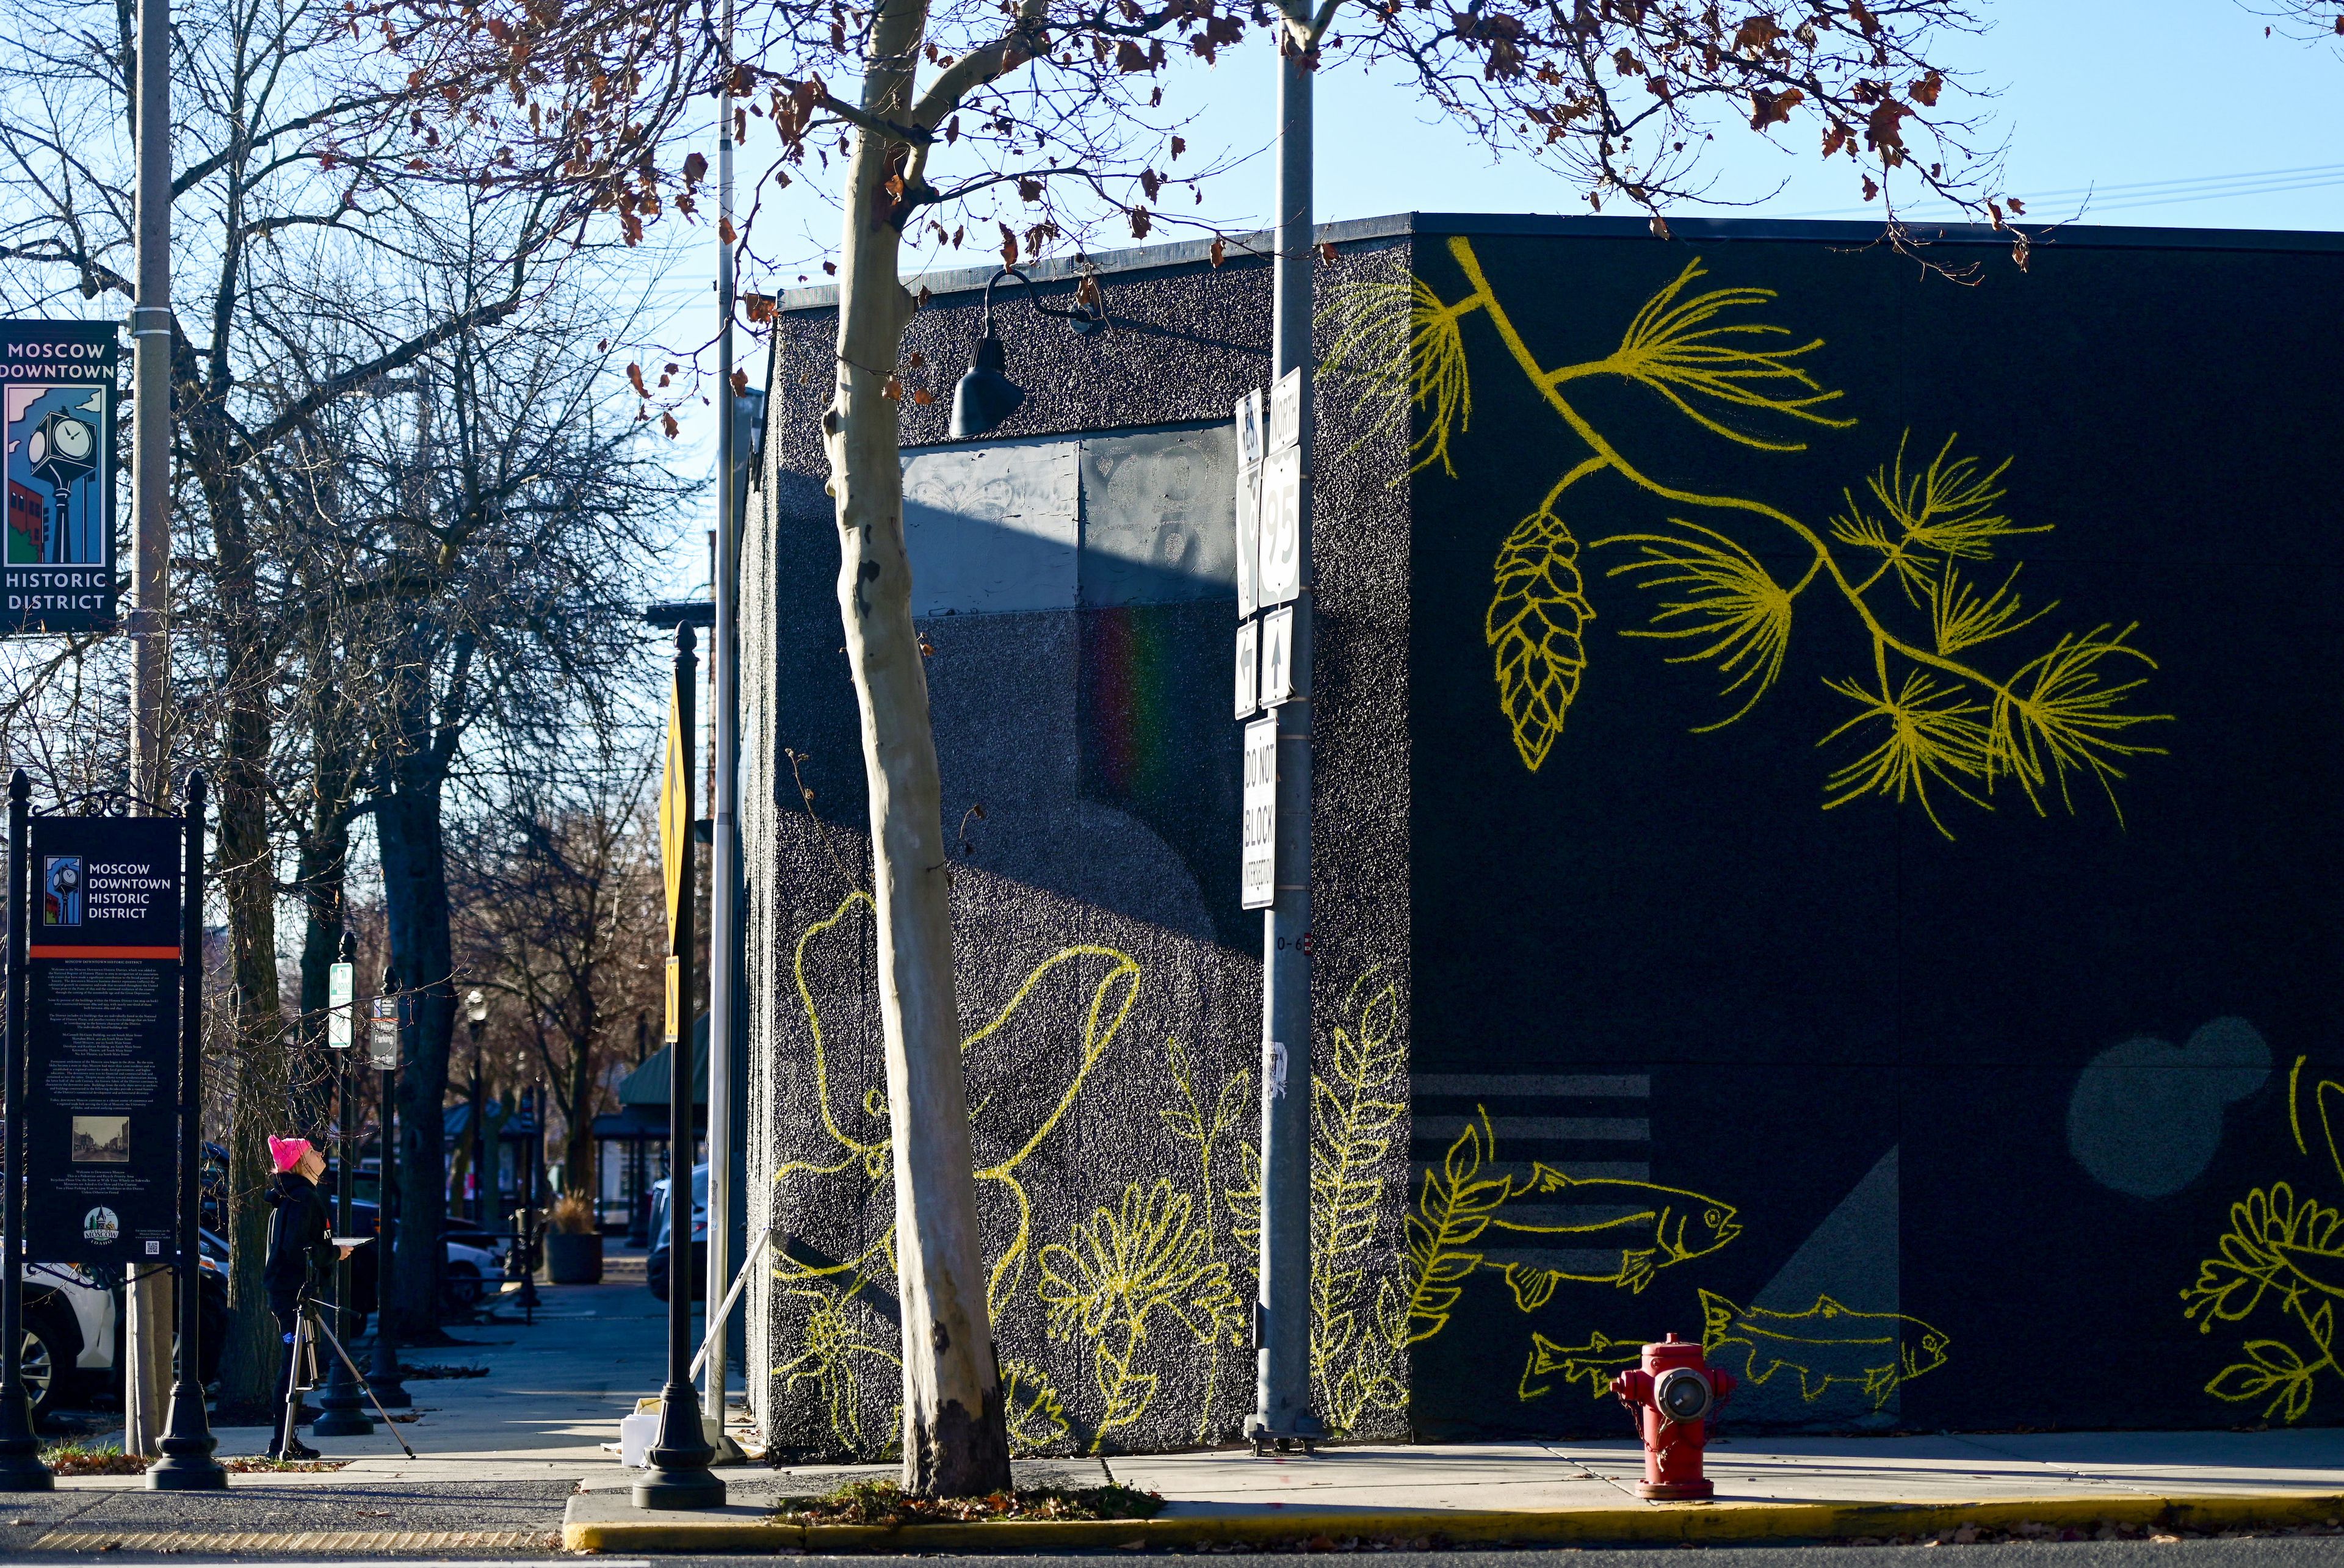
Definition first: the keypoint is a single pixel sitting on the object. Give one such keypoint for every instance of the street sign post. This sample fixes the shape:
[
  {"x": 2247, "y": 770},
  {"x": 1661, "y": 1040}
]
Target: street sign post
[
  {"x": 56, "y": 568},
  {"x": 187, "y": 1444},
  {"x": 678, "y": 1474},
  {"x": 1258, "y": 873}
]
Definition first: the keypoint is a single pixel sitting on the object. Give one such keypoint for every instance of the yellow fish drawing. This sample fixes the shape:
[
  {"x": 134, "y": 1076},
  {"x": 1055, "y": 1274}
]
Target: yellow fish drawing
[
  {"x": 1825, "y": 1345},
  {"x": 1594, "y": 1362},
  {"x": 1656, "y": 1226}
]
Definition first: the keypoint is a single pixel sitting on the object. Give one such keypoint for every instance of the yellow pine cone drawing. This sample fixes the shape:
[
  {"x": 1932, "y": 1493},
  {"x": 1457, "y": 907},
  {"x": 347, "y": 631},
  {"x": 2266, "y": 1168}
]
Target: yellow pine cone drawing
[{"x": 1536, "y": 626}]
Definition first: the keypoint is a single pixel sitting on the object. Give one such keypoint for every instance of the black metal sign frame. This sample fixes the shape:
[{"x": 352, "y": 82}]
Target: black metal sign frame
[{"x": 103, "y": 919}]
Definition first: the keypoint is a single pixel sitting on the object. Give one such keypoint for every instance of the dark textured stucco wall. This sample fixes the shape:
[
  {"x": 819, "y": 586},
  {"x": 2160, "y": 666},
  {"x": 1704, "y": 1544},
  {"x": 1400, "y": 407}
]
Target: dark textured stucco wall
[
  {"x": 1896, "y": 1092},
  {"x": 1110, "y": 986}
]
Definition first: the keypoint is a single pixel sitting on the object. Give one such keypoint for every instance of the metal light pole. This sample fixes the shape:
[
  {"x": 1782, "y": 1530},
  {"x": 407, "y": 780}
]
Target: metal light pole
[
  {"x": 723, "y": 917},
  {"x": 476, "y": 1013},
  {"x": 1281, "y": 1410},
  {"x": 146, "y": 1346},
  {"x": 21, "y": 1469},
  {"x": 638, "y": 1160},
  {"x": 382, "y": 1374},
  {"x": 679, "y": 1475},
  {"x": 341, "y": 1404},
  {"x": 187, "y": 1464}
]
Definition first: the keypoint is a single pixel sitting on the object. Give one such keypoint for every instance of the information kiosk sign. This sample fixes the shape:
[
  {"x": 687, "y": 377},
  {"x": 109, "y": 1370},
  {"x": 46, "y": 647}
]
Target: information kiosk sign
[{"x": 102, "y": 1039}]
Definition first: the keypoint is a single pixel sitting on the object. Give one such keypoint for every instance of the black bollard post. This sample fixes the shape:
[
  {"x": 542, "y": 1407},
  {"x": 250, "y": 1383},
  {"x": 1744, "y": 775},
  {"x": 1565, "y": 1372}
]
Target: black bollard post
[
  {"x": 382, "y": 1373},
  {"x": 187, "y": 1464},
  {"x": 21, "y": 1469},
  {"x": 535, "y": 1118},
  {"x": 679, "y": 1476},
  {"x": 342, "y": 1403}
]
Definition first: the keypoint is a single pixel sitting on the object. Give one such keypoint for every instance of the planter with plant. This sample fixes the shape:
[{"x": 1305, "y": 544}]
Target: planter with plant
[{"x": 573, "y": 1242}]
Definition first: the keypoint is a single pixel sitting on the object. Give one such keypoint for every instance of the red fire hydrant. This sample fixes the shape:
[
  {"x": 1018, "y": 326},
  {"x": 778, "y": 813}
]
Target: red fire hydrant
[{"x": 1674, "y": 1398}]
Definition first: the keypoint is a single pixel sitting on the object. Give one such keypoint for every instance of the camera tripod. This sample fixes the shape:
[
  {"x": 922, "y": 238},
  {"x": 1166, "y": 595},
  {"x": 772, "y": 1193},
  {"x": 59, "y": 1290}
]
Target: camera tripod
[{"x": 308, "y": 1327}]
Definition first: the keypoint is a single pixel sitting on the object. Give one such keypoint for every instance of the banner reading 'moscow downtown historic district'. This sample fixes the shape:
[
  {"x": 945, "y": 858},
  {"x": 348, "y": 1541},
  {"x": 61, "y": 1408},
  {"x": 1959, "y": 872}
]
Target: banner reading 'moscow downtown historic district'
[
  {"x": 56, "y": 569},
  {"x": 102, "y": 1039}
]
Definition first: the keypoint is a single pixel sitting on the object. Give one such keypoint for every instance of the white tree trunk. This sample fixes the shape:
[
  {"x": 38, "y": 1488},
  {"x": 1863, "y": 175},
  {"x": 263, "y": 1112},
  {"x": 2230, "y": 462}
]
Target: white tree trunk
[{"x": 954, "y": 1443}]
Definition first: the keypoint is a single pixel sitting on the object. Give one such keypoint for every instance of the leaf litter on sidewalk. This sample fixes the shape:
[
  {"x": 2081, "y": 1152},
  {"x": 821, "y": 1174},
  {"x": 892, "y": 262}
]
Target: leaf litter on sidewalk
[{"x": 885, "y": 1502}]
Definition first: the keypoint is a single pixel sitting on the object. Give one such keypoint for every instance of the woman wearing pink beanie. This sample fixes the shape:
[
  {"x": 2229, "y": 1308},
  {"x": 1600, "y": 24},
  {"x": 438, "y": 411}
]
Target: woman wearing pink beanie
[{"x": 301, "y": 1249}]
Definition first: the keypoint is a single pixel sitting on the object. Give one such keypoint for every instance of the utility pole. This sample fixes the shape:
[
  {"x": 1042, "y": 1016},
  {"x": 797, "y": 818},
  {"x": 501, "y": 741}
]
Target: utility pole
[
  {"x": 146, "y": 1328},
  {"x": 1281, "y": 1412},
  {"x": 723, "y": 916}
]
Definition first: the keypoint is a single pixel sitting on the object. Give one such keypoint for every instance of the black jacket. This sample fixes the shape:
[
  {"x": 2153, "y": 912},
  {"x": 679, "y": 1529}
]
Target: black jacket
[{"x": 300, "y": 1238}]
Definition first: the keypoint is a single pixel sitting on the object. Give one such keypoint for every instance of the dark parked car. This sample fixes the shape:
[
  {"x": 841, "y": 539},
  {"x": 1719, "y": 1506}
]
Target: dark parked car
[{"x": 655, "y": 1263}]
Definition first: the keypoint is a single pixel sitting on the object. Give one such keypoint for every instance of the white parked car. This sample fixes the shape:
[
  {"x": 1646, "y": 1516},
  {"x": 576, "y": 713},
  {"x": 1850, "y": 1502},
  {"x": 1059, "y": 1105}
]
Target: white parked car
[{"x": 72, "y": 1325}]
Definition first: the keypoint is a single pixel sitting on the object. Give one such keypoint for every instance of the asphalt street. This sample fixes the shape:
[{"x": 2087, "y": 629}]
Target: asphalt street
[{"x": 2253, "y": 1551}]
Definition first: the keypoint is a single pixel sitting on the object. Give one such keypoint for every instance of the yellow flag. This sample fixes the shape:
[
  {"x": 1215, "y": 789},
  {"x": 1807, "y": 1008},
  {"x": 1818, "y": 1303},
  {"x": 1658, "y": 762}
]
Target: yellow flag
[{"x": 675, "y": 812}]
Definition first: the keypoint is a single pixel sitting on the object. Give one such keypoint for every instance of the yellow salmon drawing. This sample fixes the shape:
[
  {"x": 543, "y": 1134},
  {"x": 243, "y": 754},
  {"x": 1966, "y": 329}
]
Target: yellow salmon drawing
[
  {"x": 1825, "y": 1345},
  {"x": 1658, "y": 1226},
  {"x": 1594, "y": 1361}
]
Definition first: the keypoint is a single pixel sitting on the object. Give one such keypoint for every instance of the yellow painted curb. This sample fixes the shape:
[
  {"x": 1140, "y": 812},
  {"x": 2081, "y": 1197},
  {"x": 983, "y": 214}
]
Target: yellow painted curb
[{"x": 1659, "y": 1522}]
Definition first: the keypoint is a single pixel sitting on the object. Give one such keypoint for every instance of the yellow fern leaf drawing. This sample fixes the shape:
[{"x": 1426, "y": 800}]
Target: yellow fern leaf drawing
[{"x": 1536, "y": 627}]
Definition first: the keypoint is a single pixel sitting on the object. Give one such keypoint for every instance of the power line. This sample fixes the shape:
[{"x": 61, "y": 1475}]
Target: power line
[{"x": 2156, "y": 192}]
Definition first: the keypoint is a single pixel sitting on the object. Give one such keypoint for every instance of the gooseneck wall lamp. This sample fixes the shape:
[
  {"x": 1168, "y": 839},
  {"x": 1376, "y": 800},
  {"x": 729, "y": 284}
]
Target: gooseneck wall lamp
[{"x": 986, "y": 395}]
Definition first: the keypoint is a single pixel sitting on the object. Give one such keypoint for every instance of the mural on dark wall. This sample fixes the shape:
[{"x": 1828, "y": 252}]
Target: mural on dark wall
[
  {"x": 1859, "y": 757},
  {"x": 1782, "y": 625},
  {"x": 1914, "y": 552},
  {"x": 1076, "y": 593}
]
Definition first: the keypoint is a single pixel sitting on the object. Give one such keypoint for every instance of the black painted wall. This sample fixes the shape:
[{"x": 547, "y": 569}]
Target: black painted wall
[{"x": 1918, "y": 1075}]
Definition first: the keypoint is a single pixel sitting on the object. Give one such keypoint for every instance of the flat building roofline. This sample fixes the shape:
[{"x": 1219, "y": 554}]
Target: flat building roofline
[{"x": 1531, "y": 224}]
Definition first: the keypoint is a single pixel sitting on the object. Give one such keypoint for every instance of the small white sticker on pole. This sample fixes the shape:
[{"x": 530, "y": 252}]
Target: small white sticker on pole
[
  {"x": 1249, "y": 669},
  {"x": 1258, "y": 871},
  {"x": 1281, "y": 526},
  {"x": 341, "y": 992},
  {"x": 1278, "y": 685}
]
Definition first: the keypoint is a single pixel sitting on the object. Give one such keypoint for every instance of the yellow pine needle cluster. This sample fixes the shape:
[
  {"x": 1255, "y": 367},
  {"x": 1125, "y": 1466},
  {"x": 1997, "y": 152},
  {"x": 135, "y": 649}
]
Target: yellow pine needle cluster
[
  {"x": 1398, "y": 346},
  {"x": 1931, "y": 715},
  {"x": 1729, "y": 599},
  {"x": 1683, "y": 350}
]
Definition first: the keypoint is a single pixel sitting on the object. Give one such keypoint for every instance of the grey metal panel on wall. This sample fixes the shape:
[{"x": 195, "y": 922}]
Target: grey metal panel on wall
[
  {"x": 1160, "y": 517},
  {"x": 1146, "y": 517},
  {"x": 992, "y": 527}
]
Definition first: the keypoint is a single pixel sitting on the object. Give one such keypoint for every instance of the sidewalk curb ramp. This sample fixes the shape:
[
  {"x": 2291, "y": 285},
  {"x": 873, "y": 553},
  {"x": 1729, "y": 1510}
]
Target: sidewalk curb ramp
[{"x": 608, "y": 1521}]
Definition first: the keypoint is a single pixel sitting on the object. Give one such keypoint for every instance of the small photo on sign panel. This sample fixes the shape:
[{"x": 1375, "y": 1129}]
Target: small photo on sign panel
[{"x": 101, "y": 1140}]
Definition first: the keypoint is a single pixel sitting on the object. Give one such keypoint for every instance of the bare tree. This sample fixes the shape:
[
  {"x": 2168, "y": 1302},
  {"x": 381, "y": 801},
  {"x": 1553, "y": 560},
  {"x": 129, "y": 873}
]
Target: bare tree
[
  {"x": 944, "y": 112},
  {"x": 562, "y": 897}
]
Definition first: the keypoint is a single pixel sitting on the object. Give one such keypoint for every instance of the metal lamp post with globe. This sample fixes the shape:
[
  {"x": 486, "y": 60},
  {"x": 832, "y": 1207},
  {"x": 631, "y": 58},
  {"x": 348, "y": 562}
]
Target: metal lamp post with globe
[{"x": 62, "y": 450}]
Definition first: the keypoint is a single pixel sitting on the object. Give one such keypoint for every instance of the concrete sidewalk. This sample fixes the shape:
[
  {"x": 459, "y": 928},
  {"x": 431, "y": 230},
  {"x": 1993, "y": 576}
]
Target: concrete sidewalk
[{"x": 1575, "y": 1491}]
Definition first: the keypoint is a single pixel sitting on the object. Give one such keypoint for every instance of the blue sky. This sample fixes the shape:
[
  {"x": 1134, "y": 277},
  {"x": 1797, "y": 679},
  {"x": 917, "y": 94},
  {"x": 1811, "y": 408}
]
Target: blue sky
[
  {"x": 2165, "y": 112},
  {"x": 2120, "y": 95}
]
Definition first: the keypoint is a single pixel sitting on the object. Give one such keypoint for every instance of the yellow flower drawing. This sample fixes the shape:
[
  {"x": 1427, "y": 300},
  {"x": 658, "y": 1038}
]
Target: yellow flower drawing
[
  {"x": 1140, "y": 1267},
  {"x": 2286, "y": 1252}
]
